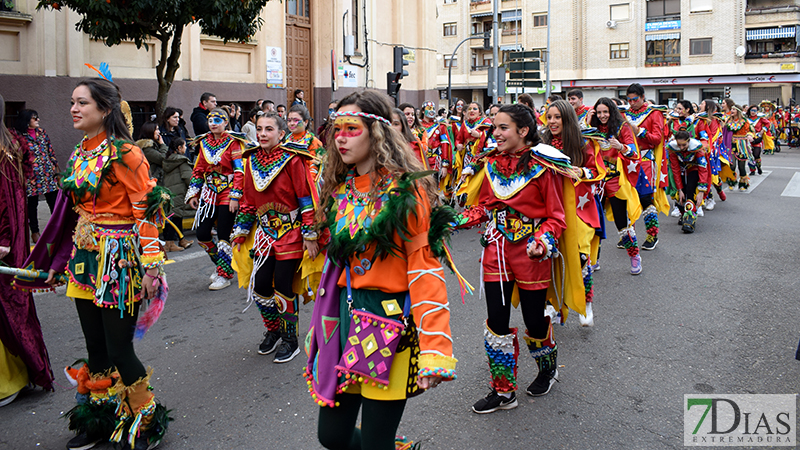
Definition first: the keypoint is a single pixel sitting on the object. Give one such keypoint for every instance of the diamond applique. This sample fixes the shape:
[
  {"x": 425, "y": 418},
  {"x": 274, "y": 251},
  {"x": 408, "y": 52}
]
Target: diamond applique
[
  {"x": 391, "y": 307},
  {"x": 353, "y": 340},
  {"x": 388, "y": 335},
  {"x": 79, "y": 268},
  {"x": 370, "y": 345},
  {"x": 371, "y": 364},
  {"x": 381, "y": 367},
  {"x": 386, "y": 352},
  {"x": 351, "y": 358}
]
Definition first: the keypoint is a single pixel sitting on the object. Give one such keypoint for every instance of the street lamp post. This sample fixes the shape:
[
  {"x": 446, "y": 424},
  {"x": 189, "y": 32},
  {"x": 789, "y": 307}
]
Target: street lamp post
[
  {"x": 548, "y": 87},
  {"x": 450, "y": 70}
]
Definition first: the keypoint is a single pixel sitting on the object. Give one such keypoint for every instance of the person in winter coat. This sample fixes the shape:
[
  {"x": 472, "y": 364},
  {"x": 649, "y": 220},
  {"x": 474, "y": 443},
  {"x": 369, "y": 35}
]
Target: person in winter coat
[
  {"x": 152, "y": 144},
  {"x": 208, "y": 101},
  {"x": 177, "y": 174}
]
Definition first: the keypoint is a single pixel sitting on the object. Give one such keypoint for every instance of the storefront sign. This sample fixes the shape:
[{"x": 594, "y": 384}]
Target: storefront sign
[
  {"x": 685, "y": 81},
  {"x": 661, "y": 26}
]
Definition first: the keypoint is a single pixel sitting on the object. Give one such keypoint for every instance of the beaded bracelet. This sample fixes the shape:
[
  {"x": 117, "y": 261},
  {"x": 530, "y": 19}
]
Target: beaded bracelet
[{"x": 443, "y": 373}]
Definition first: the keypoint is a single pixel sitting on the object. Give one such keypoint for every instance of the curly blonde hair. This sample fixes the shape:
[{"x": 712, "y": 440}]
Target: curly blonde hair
[{"x": 392, "y": 152}]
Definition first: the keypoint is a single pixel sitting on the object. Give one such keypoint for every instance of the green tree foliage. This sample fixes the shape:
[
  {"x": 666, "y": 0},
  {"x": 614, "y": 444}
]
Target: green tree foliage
[{"x": 115, "y": 21}]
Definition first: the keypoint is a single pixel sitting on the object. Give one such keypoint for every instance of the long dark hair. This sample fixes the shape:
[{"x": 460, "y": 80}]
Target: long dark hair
[
  {"x": 106, "y": 95},
  {"x": 406, "y": 132},
  {"x": 711, "y": 107},
  {"x": 523, "y": 117},
  {"x": 169, "y": 112},
  {"x": 148, "y": 131},
  {"x": 570, "y": 132},
  {"x": 687, "y": 105},
  {"x": 23, "y": 119},
  {"x": 615, "y": 119}
]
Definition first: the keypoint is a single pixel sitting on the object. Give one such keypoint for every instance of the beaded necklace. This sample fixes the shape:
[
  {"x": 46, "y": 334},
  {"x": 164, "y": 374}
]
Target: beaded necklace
[
  {"x": 557, "y": 143},
  {"x": 355, "y": 210},
  {"x": 735, "y": 125},
  {"x": 93, "y": 153}
]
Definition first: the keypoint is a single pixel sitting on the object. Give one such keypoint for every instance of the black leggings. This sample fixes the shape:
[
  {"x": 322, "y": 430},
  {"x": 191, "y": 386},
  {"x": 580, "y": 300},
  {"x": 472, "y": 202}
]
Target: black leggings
[
  {"x": 33, "y": 209},
  {"x": 646, "y": 200},
  {"x": 742, "y": 165},
  {"x": 337, "y": 430},
  {"x": 690, "y": 181},
  {"x": 224, "y": 219},
  {"x": 620, "y": 209},
  {"x": 109, "y": 340},
  {"x": 532, "y": 304},
  {"x": 282, "y": 272}
]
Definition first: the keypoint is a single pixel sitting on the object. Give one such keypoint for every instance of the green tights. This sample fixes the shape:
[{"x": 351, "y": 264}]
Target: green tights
[{"x": 379, "y": 421}]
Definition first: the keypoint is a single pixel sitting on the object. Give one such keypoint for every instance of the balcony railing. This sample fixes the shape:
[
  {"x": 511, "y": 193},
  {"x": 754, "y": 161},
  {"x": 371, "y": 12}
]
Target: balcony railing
[
  {"x": 793, "y": 54},
  {"x": 479, "y": 68}
]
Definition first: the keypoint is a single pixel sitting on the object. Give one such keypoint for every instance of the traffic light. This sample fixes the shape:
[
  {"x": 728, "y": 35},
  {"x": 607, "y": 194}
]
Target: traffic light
[
  {"x": 400, "y": 61},
  {"x": 727, "y": 92},
  {"x": 487, "y": 36},
  {"x": 393, "y": 84}
]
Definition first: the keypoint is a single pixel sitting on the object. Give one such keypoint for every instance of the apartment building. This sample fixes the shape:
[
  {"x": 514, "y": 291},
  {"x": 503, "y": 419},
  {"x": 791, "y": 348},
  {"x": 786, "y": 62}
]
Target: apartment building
[
  {"x": 677, "y": 49},
  {"x": 299, "y": 46}
]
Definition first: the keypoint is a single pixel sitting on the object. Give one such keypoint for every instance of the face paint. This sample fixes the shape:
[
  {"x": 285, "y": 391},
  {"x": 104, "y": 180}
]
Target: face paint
[{"x": 347, "y": 127}]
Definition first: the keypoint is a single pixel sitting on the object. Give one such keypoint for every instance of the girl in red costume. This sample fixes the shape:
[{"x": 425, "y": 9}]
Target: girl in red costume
[
  {"x": 621, "y": 159},
  {"x": 763, "y": 138},
  {"x": 277, "y": 201},
  {"x": 474, "y": 139},
  {"x": 519, "y": 192},
  {"x": 564, "y": 133},
  {"x": 709, "y": 133},
  {"x": 215, "y": 190},
  {"x": 419, "y": 149}
]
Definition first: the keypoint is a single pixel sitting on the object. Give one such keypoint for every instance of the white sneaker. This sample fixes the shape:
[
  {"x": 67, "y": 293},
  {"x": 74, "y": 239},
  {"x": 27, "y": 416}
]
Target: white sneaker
[
  {"x": 9, "y": 399},
  {"x": 554, "y": 316},
  {"x": 700, "y": 212},
  {"x": 675, "y": 212},
  {"x": 588, "y": 319},
  {"x": 219, "y": 283},
  {"x": 213, "y": 275},
  {"x": 710, "y": 204}
]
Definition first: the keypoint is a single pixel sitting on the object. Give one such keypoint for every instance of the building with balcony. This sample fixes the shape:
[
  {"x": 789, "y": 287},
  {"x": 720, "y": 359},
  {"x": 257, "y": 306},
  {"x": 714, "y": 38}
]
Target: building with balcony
[{"x": 677, "y": 49}]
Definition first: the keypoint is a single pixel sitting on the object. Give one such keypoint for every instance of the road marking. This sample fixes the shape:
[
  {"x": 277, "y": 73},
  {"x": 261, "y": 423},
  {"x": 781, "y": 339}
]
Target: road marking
[
  {"x": 793, "y": 188},
  {"x": 755, "y": 180},
  {"x": 182, "y": 258},
  {"x": 780, "y": 167}
]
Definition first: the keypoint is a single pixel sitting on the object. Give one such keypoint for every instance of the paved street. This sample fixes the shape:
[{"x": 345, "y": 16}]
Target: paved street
[{"x": 713, "y": 312}]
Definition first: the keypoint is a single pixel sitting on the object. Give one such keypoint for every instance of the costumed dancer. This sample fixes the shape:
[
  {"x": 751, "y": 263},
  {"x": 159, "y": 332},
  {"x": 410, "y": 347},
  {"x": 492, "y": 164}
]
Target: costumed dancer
[
  {"x": 474, "y": 138},
  {"x": 689, "y": 167},
  {"x": 563, "y": 132},
  {"x": 23, "y": 354},
  {"x": 621, "y": 160},
  {"x": 416, "y": 146},
  {"x": 410, "y": 115},
  {"x": 680, "y": 118},
  {"x": 380, "y": 332},
  {"x": 277, "y": 208},
  {"x": 519, "y": 190},
  {"x": 302, "y": 140},
  {"x": 770, "y": 113},
  {"x": 575, "y": 98},
  {"x": 762, "y": 141},
  {"x": 709, "y": 132},
  {"x": 648, "y": 128},
  {"x": 215, "y": 190},
  {"x": 438, "y": 141},
  {"x": 109, "y": 247},
  {"x": 737, "y": 136}
]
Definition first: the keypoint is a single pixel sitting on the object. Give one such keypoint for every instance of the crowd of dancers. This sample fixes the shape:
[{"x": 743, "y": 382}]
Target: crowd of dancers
[{"x": 360, "y": 225}]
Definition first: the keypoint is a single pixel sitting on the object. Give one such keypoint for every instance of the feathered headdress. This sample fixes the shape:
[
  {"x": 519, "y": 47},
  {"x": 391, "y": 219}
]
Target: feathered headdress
[{"x": 104, "y": 72}]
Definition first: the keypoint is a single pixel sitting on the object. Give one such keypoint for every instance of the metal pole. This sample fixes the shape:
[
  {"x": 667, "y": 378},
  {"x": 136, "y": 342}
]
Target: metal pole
[
  {"x": 548, "y": 87},
  {"x": 450, "y": 70},
  {"x": 496, "y": 37}
]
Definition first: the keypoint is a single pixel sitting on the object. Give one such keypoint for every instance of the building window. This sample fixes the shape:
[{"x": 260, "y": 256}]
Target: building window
[
  {"x": 481, "y": 60},
  {"x": 619, "y": 51},
  {"x": 448, "y": 62},
  {"x": 478, "y": 28},
  {"x": 658, "y": 10},
  {"x": 449, "y": 2},
  {"x": 700, "y": 46},
  {"x": 776, "y": 42},
  {"x": 700, "y": 5},
  {"x": 714, "y": 94},
  {"x": 620, "y": 12},
  {"x": 540, "y": 20},
  {"x": 665, "y": 52},
  {"x": 511, "y": 28},
  {"x": 450, "y": 29},
  {"x": 355, "y": 16}
]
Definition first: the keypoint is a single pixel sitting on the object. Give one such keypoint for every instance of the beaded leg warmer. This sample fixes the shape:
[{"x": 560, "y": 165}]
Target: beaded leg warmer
[
  {"x": 211, "y": 248},
  {"x": 651, "y": 220},
  {"x": 503, "y": 352},
  {"x": 588, "y": 282},
  {"x": 224, "y": 267},
  {"x": 139, "y": 416},
  {"x": 628, "y": 236},
  {"x": 269, "y": 312},
  {"x": 744, "y": 182},
  {"x": 544, "y": 351},
  {"x": 289, "y": 314},
  {"x": 94, "y": 414}
]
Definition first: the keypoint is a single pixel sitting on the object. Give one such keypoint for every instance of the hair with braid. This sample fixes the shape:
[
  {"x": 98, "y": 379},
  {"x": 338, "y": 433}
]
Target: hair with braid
[{"x": 388, "y": 146}]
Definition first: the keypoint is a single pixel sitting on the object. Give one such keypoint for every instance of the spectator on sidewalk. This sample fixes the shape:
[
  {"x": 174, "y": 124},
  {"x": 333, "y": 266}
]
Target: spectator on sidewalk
[
  {"x": 249, "y": 128},
  {"x": 170, "y": 125},
  {"x": 177, "y": 174},
  {"x": 298, "y": 98},
  {"x": 208, "y": 101},
  {"x": 152, "y": 144},
  {"x": 44, "y": 179}
]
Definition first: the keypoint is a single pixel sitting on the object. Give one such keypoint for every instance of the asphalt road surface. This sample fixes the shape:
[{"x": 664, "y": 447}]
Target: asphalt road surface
[{"x": 713, "y": 312}]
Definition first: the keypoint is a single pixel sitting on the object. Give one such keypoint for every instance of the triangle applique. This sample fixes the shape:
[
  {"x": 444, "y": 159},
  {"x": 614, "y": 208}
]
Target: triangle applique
[
  {"x": 329, "y": 327},
  {"x": 49, "y": 249}
]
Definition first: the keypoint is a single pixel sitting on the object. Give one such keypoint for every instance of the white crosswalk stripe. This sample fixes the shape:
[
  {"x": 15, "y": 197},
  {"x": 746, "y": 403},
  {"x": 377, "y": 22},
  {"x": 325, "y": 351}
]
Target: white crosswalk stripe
[
  {"x": 793, "y": 188},
  {"x": 755, "y": 180}
]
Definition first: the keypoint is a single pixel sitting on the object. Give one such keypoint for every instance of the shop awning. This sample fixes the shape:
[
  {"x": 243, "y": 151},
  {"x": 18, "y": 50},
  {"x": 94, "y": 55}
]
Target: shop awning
[
  {"x": 662, "y": 37},
  {"x": 483, "y": 14},
  {"x": 511, "y": 16},
  {"x": 511, "y": 48},
  {"x": 770, "y": 33}
]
